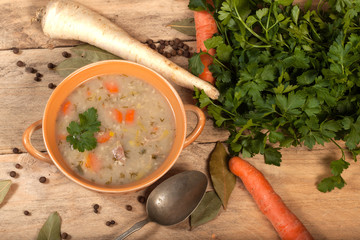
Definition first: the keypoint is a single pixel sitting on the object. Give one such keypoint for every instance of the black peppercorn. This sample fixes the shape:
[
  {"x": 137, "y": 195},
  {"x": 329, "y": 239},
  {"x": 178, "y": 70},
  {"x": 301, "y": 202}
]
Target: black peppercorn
[
  {"x": 141, "y": 199},
  {"x": 42, "y": 179},
  {"x": 161, "y": 51},
  {"x": 171, "y": 43},
  {"x": 167, "y": 54},
  {"x": 153, "y": 46},
  {"x": 20, "y": 64},
  {"x": 180, "y": 52},
  {"x": 108, "y": 223},
  {"x": 149, "y": 41},
  {"x": 181, "y": 44},
  {"x": 18, "y": 166},
  {"x": 64, "y": 235},
  {"x": 112, "y": 222},
  {"x": 16, "y": 150},
  {"x": 185, "y": 47},
  {"x": 39, "y": 75},
  {"x": 177, "y": 41},
  {"x": 51, "y": 65},
  {"x": 30, "y": 70},
  {"x": 15, "y": 50},
  {"x": 166, "y": 43},
  {"x": 51, "y": 85},
  {"x": 13, "y": 174},
  {"x": 96, "y": 206},
  {"x": 173, "y": 53},
  {"x": 96, "y": 211},
  {"x": 186, "y": 54},
  {"x": 66, "y": 54},
  {"x": 27, "y": 213},
  {"x": 162, "y": 42},
  {"x": 175, "y": 47},
  {"x": 128, "y": 207},
  {"x": 37, "y": 79}
]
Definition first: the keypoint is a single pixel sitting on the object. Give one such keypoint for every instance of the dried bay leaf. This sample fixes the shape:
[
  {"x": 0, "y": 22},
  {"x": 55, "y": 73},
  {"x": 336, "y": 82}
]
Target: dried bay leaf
[
  {"x": 4, "y": 188},
  {"x": 70, "y": 65},
  {"x": 186, "y": 26},
  {"x": 207, "y": 210},
  {"x": 223, "y": 180},
  {"x": 92, "y": 53},
  {"x": 51, "y": 228}
]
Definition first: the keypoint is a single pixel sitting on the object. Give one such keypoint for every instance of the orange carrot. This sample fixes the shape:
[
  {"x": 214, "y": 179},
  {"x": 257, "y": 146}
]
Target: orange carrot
[
  {"x": 205, "y": 26},
  {"x": 111, "y": 86},
  {"x": 129, "y": 117},
  {"x": 66, "y": 106},
  {"x": 271, "y": 205},
  {"x": 118, "y": 115},
  {"x": 92, "y": 162},
  {"x": 102, "y": 137}
]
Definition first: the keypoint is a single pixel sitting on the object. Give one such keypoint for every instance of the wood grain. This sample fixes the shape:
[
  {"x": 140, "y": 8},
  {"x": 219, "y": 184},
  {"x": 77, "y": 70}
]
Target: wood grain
[
  {"x": 139, "y": 18},
  {"x": 327, "y": 216}
]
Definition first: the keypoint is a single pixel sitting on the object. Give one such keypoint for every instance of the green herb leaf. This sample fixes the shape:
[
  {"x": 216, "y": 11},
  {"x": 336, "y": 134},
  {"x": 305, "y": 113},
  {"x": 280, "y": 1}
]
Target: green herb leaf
[
  {"x": 4, "y": 188},
  {"x": 186, "y": 26},
  {"x": 92, "y": 53},
  {"x": 328, "y": 184},
  {"x": 70, "y": 65},
  {"x": 51, "y": 228},
  {"x": 81, "y": 134},
  {"x": 207, "y": 210},
  {"x": 197, "y": 5},
  {"x": 195, "y": 64},
  {"x": 223, "y": 180},
  {"x": 272, "y": 156}
]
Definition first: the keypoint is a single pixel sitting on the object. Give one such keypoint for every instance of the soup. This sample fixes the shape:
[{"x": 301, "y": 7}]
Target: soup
[{"x": 129, "y": 129}]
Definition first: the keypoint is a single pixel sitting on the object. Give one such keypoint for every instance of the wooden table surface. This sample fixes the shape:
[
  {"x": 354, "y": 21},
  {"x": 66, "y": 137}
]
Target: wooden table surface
[{"x": 334, "y": 215}]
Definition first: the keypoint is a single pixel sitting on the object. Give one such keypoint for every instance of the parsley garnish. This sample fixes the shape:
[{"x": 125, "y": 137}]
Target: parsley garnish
[
  {"x": 286, "y": 76},
  {"x": 81, "y": 134}
]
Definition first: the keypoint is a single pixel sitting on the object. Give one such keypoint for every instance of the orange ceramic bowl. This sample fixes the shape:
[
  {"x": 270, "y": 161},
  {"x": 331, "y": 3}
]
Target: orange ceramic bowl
[{"x": 62, "y": 91}]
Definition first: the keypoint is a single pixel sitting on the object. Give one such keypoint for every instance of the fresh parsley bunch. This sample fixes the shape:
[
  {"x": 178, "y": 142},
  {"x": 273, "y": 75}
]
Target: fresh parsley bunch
[
  {"x": 81, "y": 134},
  {"x": 286, "y": 77}
]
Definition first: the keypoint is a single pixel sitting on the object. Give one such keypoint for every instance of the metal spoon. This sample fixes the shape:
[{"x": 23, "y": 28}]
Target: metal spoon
[{"x": 173, "y": 200}]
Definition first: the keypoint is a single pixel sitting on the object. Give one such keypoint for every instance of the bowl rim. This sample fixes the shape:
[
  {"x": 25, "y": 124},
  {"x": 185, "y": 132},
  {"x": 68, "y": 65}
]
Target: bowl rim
[{"x": 133, "y": 186}]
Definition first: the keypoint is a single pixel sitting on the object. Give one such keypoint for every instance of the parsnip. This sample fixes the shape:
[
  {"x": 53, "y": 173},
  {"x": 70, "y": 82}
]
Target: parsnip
[{"x": 63, "y": 19}]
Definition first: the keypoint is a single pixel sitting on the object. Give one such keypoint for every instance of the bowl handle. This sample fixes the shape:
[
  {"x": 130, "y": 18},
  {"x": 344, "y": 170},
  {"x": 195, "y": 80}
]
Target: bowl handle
[
  {"x": 29, "y": 147},
  {"x": 199, "y": 126}
]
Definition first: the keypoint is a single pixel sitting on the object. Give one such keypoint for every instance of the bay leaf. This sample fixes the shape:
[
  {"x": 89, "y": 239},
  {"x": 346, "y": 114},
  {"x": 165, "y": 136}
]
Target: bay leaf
[
  {"x": 92, "y": 53},
  {"x": 207, "y": 210},
  {"x": 186, "y": 26},
  {"x": 51, "y": 228},
  {"x": 69, "y": 65},
  {"x": 223, "y": 180},
  {"x": 4, "y": 188}
]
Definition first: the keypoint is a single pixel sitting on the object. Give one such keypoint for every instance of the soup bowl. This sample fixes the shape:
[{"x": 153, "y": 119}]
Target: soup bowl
[{"x": 70, "y": 83}]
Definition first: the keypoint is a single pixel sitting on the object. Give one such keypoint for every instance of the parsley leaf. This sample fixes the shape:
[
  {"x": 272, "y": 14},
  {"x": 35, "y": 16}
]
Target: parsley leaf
[
  {"x": 287, "y": 76},
  {"x": 81, "y": 134}
]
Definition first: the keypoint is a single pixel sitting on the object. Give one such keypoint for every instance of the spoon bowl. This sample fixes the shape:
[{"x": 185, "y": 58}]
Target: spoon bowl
[{"x": 173, "y": 200}]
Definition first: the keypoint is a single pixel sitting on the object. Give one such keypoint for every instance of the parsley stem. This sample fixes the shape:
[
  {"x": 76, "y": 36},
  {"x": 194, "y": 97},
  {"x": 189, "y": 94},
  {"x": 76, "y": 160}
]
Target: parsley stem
[
  {"x": 220, "y": 63},
  {"x": 342, "y": 150},
  {"x": 249, "y": 29}
]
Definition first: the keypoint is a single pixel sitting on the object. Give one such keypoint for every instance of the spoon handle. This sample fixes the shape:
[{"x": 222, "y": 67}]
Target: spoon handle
[{"x": 133, "y": 229}]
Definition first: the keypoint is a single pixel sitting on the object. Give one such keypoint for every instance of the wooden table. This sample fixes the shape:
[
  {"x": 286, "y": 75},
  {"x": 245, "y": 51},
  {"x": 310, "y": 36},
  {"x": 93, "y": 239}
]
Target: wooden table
[{"x": 334, "y": 215}]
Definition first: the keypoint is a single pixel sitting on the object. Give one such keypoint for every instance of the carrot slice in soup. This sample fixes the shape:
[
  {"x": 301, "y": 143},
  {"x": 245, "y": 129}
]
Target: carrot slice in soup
[
  {"x": 103, "y": 137},
  {"x": 93, "y": 162},
  {"x": 130, "y": 115},
  {"x": 66, "y": 106},
  {"x": 111, "y": 86},
  {"x": 118, "y": 115}
]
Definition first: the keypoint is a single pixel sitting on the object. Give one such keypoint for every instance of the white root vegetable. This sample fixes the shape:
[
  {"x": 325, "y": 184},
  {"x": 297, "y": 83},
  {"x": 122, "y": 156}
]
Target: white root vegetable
[{"x": 63, "y": 19}]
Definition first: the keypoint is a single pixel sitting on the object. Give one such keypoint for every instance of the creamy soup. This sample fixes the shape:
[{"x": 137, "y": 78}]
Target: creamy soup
[{"x": 135, "y": 135}]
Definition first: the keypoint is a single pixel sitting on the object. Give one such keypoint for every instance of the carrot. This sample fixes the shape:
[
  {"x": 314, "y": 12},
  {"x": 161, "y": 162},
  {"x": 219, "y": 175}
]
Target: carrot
[
  {"x": 118, "y": 115},
  {"x": 130, "y": 115},
  {"x": 64, "y": 19},
  {"x": 284, "y": 221},
  {"x": 112, "y": 87},
  {"x": 66, "y": 106},
  {"x": 92, "y": 162},
  {"x": 103, "y": 137},
  {"x": 205, "y": 26}
]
